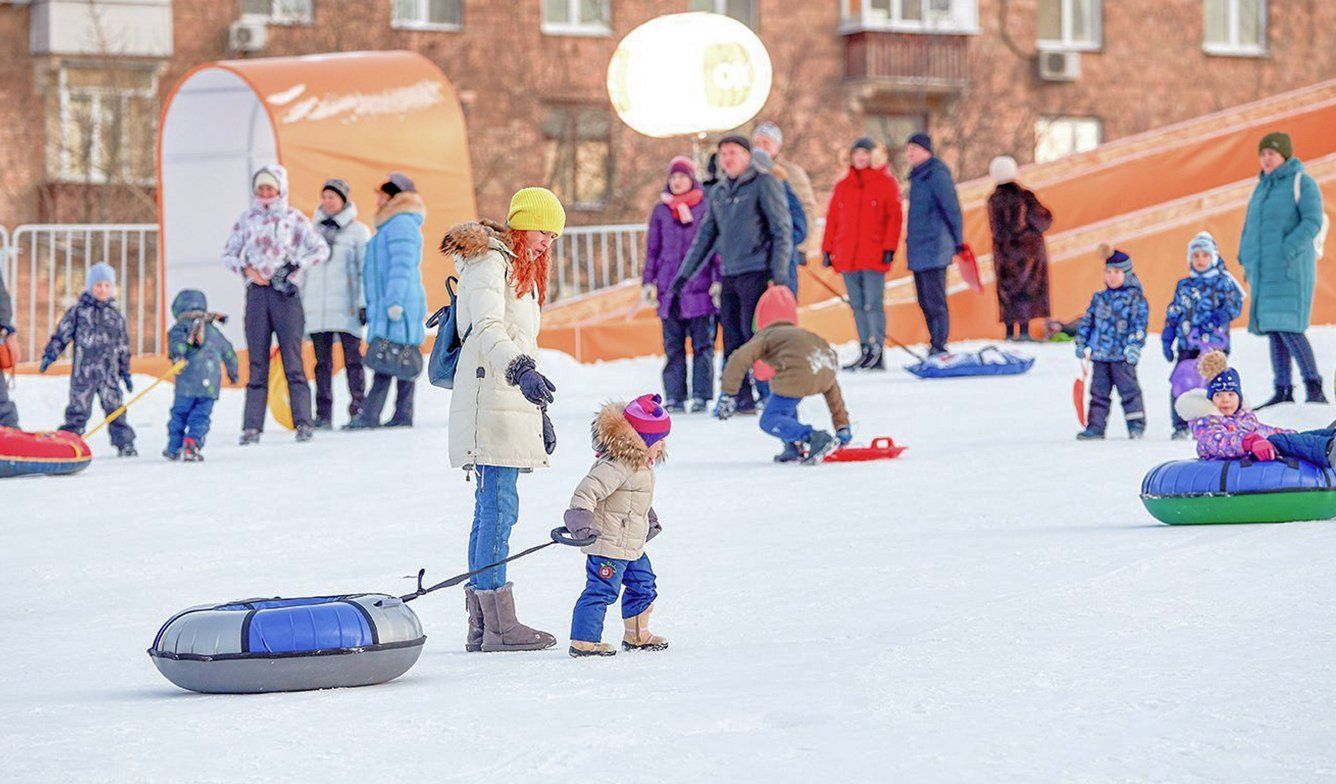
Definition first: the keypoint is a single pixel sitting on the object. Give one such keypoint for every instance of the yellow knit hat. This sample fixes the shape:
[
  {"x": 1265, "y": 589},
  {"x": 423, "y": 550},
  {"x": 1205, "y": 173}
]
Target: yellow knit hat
[{"x": 536, "y": 209}]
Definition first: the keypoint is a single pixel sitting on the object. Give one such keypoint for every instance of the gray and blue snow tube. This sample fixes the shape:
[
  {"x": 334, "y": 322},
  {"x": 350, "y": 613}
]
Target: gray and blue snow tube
[
  {"x": 987, "y": 361},
  {"x": 263, "y": 645}
]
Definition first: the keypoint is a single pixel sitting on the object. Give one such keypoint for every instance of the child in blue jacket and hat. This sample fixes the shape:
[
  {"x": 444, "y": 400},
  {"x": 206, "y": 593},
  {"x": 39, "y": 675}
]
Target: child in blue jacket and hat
[
  {"x": 1112, "y": 335},
  {"x": 195, "y": 339}
]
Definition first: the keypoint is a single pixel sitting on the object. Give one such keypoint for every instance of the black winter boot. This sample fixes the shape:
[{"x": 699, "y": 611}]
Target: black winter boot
[
  {"x": 249, "y": 436},
  {"x": 819, "y": 444},
  {"x": 862, "y": 357},
  {"x": 1283, "y": 395},
  {"x": 793, "y": 452},
  {"x": 1315, "y": 394},
  {"x": 876, "y": 358}
]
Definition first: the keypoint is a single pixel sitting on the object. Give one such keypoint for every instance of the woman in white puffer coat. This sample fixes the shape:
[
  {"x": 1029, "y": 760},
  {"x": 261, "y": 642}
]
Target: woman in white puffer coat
[{"x": 498, "y": 420}]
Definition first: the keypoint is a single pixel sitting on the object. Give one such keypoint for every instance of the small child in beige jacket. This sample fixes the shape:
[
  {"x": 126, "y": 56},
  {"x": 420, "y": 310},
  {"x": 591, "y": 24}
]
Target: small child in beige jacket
[{"x": 615, "y": 502}]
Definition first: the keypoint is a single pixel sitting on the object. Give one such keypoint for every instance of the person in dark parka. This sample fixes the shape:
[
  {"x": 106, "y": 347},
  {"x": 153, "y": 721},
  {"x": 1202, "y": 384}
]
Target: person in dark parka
[
  {"x": 749, "y": 225},
  {"x": 1018, "y": 222},
  {"x": 101, "y": 355},
  {"x": 9, "y": 413},
  {"x": 1280, "y": 263},
  {"x": 195, "y": 339},
  {"x": 934, "y": 235}
]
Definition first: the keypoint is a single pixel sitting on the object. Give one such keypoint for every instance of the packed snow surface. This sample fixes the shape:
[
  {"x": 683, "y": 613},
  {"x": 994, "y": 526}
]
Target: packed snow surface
[{"x": 995, "y": 605}]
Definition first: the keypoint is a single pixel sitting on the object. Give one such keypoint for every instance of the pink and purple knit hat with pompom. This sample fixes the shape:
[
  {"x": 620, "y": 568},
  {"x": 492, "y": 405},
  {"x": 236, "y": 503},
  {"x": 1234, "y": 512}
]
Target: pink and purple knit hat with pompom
[{"x": 648, "y": 418}]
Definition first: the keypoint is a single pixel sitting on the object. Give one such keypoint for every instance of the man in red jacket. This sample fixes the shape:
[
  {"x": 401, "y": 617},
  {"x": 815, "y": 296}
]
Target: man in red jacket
[{"x": 862, "y": 231}]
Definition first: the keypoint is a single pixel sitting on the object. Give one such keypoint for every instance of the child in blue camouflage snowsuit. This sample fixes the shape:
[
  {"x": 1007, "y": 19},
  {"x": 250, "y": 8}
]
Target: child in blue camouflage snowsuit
[
  {"x": 195, "y": 339},
  {"x": 101, "y": 356},
  {"x": 1112, "y": 334},
  {"x": 1197, "y": 319}
]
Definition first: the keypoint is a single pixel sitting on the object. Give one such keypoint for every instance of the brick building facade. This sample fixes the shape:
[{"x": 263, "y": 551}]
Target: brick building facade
[{"x": 83, "y": 84}]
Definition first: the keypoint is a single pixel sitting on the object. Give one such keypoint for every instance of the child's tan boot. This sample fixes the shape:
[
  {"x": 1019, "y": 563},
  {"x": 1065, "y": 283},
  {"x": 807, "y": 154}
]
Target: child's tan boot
[
  {"x": 580, "y": 648},
  {"x": 638, "y": 637}
]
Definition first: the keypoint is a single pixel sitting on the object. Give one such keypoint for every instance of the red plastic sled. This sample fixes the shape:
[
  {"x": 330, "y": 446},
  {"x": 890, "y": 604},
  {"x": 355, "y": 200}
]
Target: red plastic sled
[
  {"x": 882, "y": 449},
  {"x": 27, "y": 454},
  {"x": 968, "y": 267}
]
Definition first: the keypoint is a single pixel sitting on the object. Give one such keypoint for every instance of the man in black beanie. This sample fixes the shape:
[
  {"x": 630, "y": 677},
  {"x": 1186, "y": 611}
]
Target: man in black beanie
[
  {"x": 934, "y": 235},
  {"x": 749, "y": 225}
]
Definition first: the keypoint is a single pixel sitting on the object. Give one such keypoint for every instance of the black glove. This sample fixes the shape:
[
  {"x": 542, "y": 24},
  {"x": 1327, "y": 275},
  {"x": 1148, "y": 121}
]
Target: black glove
[
  {"x": 888, "y": 257},
  {"x": 678, "y": 285},
  {"x": 282, "y": 281},
  {"x": 534, "y": 385},
  {"x": 825, "y": 259},
  {"x": 726, "y": 407},
  {"x": 129, "y": 384},
  {"x": 960, "y": 249},
  {"x": 549, "y": 433},
  {"x": 361, "y": 316}
]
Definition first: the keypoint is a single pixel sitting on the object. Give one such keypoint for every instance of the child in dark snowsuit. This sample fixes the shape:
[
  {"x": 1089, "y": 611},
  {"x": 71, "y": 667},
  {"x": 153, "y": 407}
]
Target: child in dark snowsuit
[
  {"x": 616, "y": 502},
  {"x": 1112, "y": 334},
  {"x": 1197, "y": 319},
  {"x": 802, "y": 363},
  {"x": 9, "y": 413},
  {"x": 101, "y": 356},
  {"x": 1225, "y": 430},
  {"x": 195, "y": 339}
]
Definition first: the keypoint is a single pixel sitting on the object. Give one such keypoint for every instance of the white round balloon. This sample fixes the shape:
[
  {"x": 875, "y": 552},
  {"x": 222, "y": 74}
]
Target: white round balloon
[{"x": 689, "y": 73}]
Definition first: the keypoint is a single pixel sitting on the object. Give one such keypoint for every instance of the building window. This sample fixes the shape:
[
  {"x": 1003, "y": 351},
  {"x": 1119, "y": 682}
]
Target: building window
[
  {"x": 910, "y": 16},
  {"x": 577, "y": 17},
  {"x": 1056, "y": 137},
  {"x": 1069, "y": 25},
  {"x": 742, "y": 10},
  {"x": 427, "y": 14},
  {"x": 578, "y": 146},
  {"x": 103, "y": 125},
  {"x": 277, "y": 11},
  {"x": 1235, "y": 27}
]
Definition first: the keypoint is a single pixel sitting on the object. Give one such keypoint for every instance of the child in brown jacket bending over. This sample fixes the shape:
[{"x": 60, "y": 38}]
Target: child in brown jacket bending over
[
  {"x": 615, "y": 502},
  {"x": 803, "y": 364}
]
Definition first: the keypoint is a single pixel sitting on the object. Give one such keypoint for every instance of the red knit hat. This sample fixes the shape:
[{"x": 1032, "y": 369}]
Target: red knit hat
[
  {"x": 648, "y": 418},
  {"x": 682, "y": 163},
  {"x": 776, "y": 304}
]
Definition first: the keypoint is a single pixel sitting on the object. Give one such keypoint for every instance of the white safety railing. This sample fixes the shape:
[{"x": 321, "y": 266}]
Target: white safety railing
[
  {"x": 48, "y": 264},
  {"x": 588, "y": 258}
]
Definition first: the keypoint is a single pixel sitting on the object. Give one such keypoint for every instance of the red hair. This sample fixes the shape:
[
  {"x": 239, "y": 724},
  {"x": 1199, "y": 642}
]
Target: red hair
[{"x": 530, "y": 270}]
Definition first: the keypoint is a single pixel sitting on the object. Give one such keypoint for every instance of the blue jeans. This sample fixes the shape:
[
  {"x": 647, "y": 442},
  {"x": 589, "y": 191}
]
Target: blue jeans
[
  {"x": 780, "y": 419},
  {"x": 867, "y": 291},
  {"x": 191, "y": 417},
  {"x": 604, "y": 580},
  {"x": 496, "y": 509},
  {"x": 1313, "y": 446}
]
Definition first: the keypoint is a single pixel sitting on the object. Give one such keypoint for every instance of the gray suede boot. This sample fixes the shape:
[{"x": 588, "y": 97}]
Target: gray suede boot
[
  {"x": 501, "y": 631},
  {"x": 474, "y": 642}
]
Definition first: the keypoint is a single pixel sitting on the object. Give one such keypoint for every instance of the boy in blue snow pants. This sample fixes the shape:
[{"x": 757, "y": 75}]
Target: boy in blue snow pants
[
  {"x": 613, "y": 505},
  {"x": 206, "y": 352}
]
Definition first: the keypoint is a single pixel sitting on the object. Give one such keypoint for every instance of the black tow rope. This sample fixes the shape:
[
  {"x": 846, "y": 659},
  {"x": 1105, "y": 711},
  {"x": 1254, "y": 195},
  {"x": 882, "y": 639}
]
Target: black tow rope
[{"x": 557, "y": 538}]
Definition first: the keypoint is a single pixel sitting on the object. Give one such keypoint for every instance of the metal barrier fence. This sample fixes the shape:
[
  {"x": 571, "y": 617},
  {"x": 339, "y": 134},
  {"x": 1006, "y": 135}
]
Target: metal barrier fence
[
  {"x": 47, "y": 266},
  {"x": 588, "y": 258}
]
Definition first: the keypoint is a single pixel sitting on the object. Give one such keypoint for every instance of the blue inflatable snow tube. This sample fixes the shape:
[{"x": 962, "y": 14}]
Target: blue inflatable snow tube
[
  {"x": 1193, "y": 492},
  {"x": 262, "y": 645},
  {"x": 988, "y": 361}
]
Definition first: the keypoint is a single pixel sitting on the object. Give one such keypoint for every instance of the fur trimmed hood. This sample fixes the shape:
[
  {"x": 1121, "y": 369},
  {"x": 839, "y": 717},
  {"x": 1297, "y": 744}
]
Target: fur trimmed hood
[
  {"x": 1194, "y": 404},
  {"x": 473, "y": 238},
  {"x": 402, "y": 202},
  {"x": 613, "y": 436}
]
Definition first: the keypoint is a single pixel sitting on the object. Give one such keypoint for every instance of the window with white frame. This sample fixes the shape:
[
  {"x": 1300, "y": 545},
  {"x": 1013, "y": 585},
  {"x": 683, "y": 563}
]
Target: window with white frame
[
  {"x": 1070, "y": 25},
  {"x": 742, "y": 10},
  {"x": 577, "y": 17},
  {"x": 427, "y": 14},
  {"x": 1235, "y": 27},
  {"x": 578, "y": 147},
  {"x": 102, "y": 125},
  {"x": 277, "y": 11},
  {"x": 910, "y": 16},
  {"x": 1055, "y": 137}
]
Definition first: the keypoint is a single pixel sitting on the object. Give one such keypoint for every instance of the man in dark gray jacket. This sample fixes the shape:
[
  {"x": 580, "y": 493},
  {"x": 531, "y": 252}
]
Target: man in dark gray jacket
[
  {"x": 9, "y": 414},
  {"x": 749, "y": 226}
]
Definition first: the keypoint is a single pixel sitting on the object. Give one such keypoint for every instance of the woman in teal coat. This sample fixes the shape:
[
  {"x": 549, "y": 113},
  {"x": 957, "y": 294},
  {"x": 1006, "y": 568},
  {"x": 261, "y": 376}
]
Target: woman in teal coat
[
  {"x": 1280, "y": 261},
  {"x": 396, "y": 302}
]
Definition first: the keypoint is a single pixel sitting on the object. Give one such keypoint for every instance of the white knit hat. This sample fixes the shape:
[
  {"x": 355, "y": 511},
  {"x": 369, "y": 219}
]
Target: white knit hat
[{"x": 1002, "y": 169}]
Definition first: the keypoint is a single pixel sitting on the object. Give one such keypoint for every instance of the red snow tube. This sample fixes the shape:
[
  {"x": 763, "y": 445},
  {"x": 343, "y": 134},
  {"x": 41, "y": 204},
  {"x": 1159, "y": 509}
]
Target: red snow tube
[{"x": 51, "y": 454}]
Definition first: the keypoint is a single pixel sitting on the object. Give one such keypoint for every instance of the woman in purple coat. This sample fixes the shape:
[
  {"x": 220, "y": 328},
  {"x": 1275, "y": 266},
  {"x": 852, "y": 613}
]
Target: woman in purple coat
[{"x": 690, "y": 315}]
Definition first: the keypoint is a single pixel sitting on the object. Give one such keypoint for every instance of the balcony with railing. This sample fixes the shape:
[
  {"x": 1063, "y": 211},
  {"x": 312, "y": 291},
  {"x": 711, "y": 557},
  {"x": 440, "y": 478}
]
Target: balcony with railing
[{"x": 907, "y": 62}]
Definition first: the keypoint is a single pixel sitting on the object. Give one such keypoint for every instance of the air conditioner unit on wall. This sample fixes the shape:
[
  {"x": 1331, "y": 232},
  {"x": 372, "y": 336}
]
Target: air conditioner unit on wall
[
  {"x": 1059, "y": 66},
  {"x": 246, "y": 36}
]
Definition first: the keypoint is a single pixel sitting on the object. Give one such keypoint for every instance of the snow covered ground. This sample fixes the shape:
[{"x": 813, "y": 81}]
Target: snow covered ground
[{"x": 993, "y": 606}]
